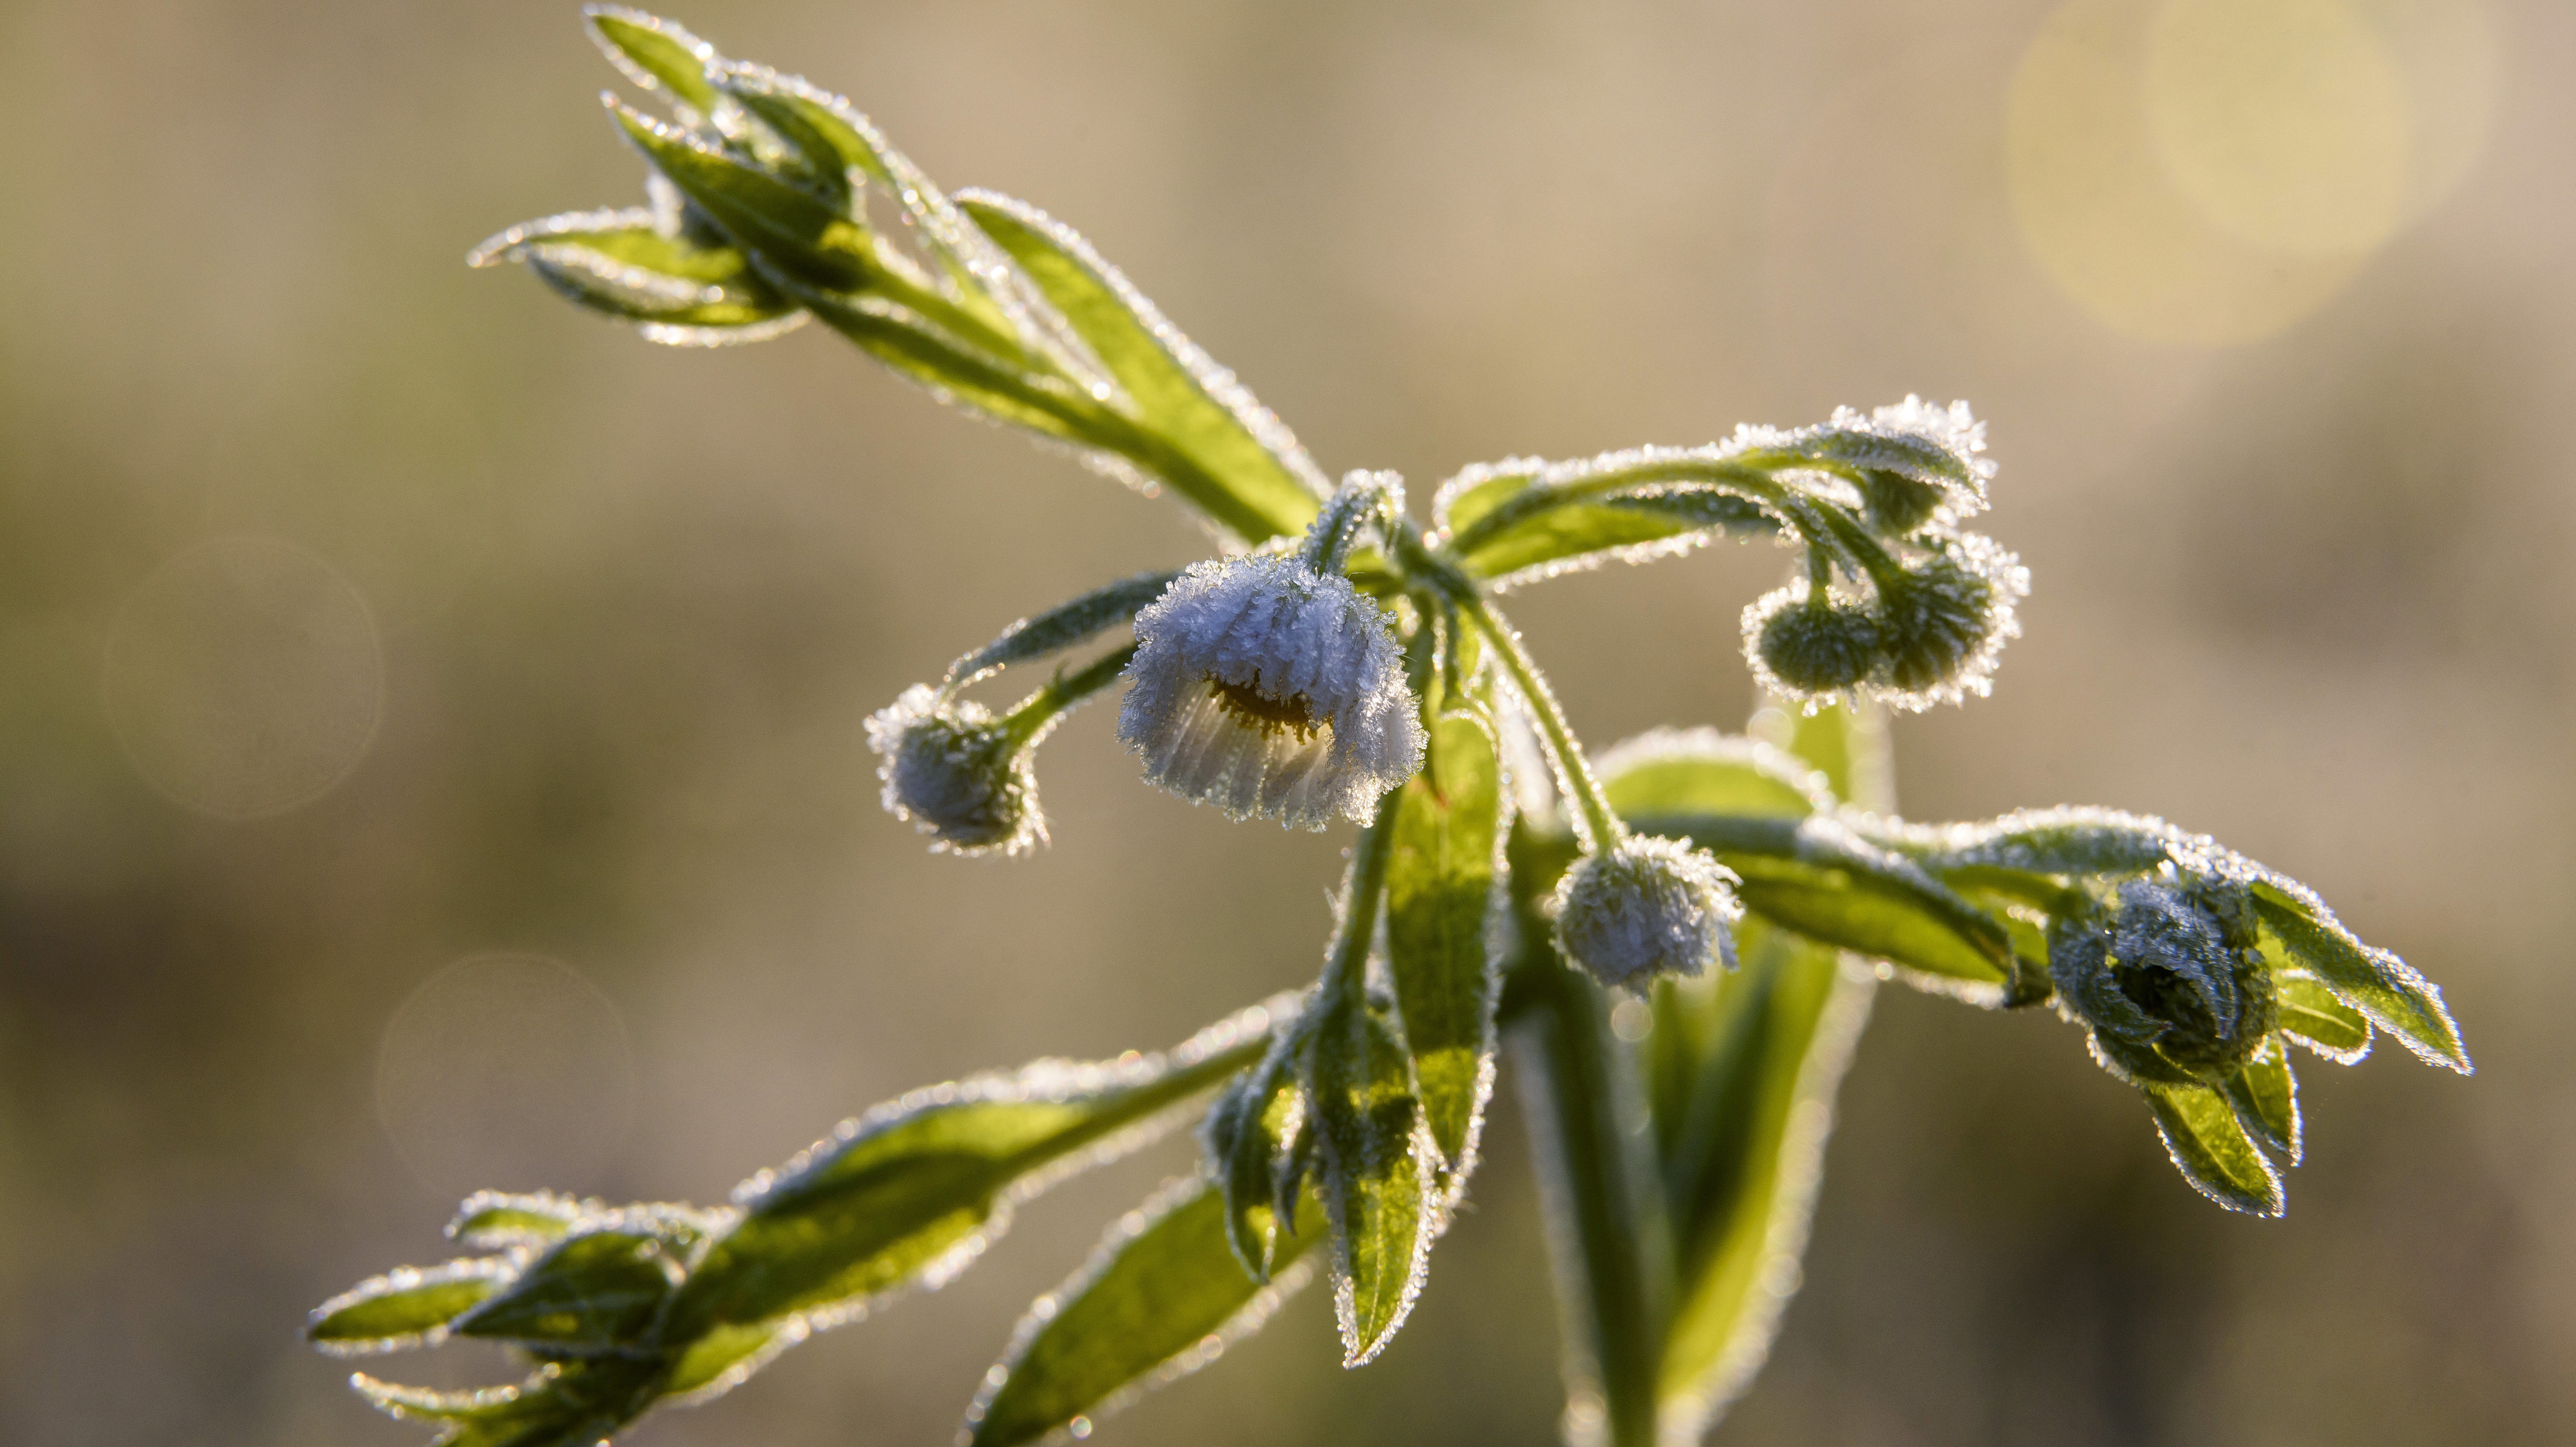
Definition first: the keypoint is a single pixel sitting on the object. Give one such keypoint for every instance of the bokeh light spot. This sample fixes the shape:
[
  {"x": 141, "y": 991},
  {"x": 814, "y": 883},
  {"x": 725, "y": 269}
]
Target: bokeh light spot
[
  {"x": 511, "y": 1071},
  {"x": 243, "y": 677},
  {"x": 2105, "y": 219},
  {"x": 2283, "y": 121}
]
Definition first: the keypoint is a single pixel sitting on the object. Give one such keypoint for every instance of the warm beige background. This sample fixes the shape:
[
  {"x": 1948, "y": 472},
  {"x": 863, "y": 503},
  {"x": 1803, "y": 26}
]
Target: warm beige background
[{"x": 518, "y": 637}]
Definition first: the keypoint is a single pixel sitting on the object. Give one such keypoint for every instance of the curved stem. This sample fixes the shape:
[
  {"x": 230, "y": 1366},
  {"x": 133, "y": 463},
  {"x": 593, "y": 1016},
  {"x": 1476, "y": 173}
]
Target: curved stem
[
  {"x": 1601, "y": 823},
  {"x": 1031, "y": 717}
]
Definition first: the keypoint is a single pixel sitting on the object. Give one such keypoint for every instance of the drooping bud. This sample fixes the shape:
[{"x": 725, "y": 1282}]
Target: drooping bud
[
  {"x": 1808, "y": 648},
  {"x": 1267, "y": 688},
  {"x": 1647, "y": 907},
  {"x": 2170, "y": 980},
  {"x": 1943, "y": 621},
  {"x": 957, "y": 773}
]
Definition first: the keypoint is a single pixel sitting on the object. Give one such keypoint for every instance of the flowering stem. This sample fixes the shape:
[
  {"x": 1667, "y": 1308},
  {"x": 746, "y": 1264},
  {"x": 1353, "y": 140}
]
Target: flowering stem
[
  {"x": 1601, "y": 823},
  {"x": 1029, "y": 720}
]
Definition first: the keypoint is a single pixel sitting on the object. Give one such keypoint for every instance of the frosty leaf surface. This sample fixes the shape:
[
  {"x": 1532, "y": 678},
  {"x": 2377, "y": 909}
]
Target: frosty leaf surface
[
  {"x": 591, "y": 1293},
  {"x": 2265, "y": 1097},
  {"x": 2211, "y": 1149},
  {"x": 1063, "y": 626},
  {"x": 1440, "y": 906},
  {"x": 908, "y": 1190},
  {"x": 2311, "y": 1015},
  {"x": 1231, "y": 456},
  {"x": 408, "y": 1307},
  {"x": 1161, "y": 1297},
  {"x": 655, "y": 54},
  {"x": 791, "y": 228},
  {"x": 2383, "y": 988},
  {"x": 1377, "y": 1167}
]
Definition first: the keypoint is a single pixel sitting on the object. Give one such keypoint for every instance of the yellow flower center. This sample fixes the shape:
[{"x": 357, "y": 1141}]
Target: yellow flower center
[{"x": 1266, "y": 712}]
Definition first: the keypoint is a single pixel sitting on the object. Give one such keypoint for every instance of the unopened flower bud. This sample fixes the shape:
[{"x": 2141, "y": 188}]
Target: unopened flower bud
[
  {"x": 1942, "y": 622},
  {"x": 1805, "y": 647},
  {"x": 957, "y": 773},
  {"x": 1647, "y": 907},
  {"x": 2170, "y": 981},
  {"x": 1267, "y": 688}
]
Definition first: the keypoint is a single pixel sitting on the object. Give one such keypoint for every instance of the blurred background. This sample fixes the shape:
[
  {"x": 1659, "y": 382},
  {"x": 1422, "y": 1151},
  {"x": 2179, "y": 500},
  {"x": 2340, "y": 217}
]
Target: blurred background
[{"x": 430, "y": 718}]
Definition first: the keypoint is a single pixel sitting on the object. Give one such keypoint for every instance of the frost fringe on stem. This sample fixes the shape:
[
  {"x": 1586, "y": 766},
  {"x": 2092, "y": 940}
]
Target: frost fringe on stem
[{"x": 1336, "y": 661}]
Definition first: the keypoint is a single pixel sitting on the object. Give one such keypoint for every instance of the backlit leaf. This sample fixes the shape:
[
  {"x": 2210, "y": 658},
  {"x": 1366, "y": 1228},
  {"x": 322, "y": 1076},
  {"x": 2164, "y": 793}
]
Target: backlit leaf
[
  {"x": 1378, "y": 1164},
  {"x": 2211, "y": 1149},
  {"x": 1440, "y": 906},
  {"x": 1160, "y": 1298}
]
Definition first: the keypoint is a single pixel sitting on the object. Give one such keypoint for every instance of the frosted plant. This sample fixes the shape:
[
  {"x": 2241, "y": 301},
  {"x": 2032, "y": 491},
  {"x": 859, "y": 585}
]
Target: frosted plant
[{"x": 1338, "y": 660}]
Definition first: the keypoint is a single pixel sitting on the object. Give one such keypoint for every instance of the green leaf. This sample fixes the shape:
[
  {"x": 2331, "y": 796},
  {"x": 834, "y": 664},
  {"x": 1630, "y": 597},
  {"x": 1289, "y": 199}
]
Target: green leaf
[
  {"x": 621, "y": 263},
  {"x": 2385, "y": 989},
  {"x": 791, "y": 228},
  {"x": 908, "y": 1191},
  {"x": 912, "y": 345},
  {"x": 1160, "y": 1298},
  {"x": 2211, "y": 1149},
  {"x": 724, "y": 1358},
  {"x": 1578, "y": 535},
  {"x": 409, "y": 1307},
  {"x": 1227, "y": 454},
  {"x": 566, "y": 1404},
  {"x": 2094, "y": 843},
  {"x": 1063, "y": 626},
  {"x": 1746, "y": 1159},
  {"x": 1378, "y": 1164},
  {"x": 492, "y": 1220},
  {"x": 1821, "y": 880},
  {"x": 1671, "y": 772},
  {"x": 656, "y": 54},
  {"x": 2311, "y": 1015},
  {"x": 591, "y": 1293},
  {"x": 1440, "y": 903},
  {"x": 2265, "y": 1097},
  {"x": 1252, "y": 1132}
]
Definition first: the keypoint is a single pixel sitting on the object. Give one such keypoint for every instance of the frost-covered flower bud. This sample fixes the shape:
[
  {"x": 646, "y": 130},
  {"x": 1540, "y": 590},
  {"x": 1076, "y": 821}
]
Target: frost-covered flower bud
[
  {"x": 1943, "y": 621},
  {"x": 957, "y": 773},
  {"x": 1805, "y": 647},
  {"x": 2171, "y": 981},
  {"x": 1267, "y": 688},
  {"x": 1647, "y": 907}
]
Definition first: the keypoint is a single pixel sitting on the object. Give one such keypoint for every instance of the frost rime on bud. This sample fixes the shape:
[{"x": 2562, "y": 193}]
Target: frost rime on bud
[
  {"x": 957, "y": 773},
  {"x": 1647, "y": 907},
  {"x": 1266, "y": 688},
  {"x": 2171, "y": 983}
]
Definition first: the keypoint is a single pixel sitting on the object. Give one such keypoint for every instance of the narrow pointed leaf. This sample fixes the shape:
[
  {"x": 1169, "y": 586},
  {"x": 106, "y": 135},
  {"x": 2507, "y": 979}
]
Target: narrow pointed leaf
[
  {"x": 790, "y": 228},
  {"x": 409, "y": 1307},
  {"x": 1440, "y": 905},
  {"x": 1251, "y": 1128},
  {"x": 909, "y": 1190},
  {"x": 2265, "y": 1097},
  {"x": 1234, "y": 459},
  {"x": 492, "y": 1220},
  {"x": 591, "y": 1293},
  {"x": 952, "y": 370},
  {"x": 1377, "y": 1161},
  {"x": 656, "y": 54},
  {"x": 2311, "y": 1015},
  {"x": 1160, "y": 1298},
  {"x": 1747, "y": 1159},
  {"x": 2385, "y": 989},
  {"x": 2212, "y": 1150},
  {"x": 622, "y": 264},
  {"x": 1063, "y": 626}
]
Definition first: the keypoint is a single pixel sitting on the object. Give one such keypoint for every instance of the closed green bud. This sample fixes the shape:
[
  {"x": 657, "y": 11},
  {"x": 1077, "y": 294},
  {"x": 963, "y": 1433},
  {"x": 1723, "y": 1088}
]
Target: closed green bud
[
  {"x": 2169, "y": 981},
  {"x": 1943, "y": 621},
  {"x": 1805, "y": 647}
]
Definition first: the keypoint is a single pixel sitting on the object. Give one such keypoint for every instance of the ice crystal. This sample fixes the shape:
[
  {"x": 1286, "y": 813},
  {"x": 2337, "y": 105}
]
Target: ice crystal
[{"x": 1269, "y": 689}]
